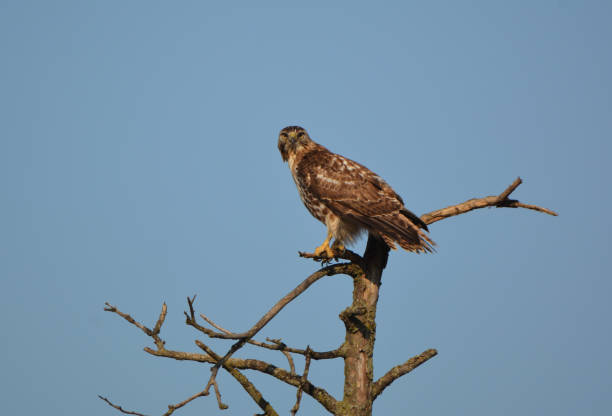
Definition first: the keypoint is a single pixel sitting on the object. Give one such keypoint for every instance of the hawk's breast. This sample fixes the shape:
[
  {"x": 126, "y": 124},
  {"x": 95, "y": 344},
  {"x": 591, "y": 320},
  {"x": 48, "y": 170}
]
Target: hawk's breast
[{"x": 314, "y": 205}]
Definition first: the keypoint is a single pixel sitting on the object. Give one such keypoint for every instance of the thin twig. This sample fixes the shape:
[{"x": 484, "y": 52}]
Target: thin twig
[
  {"x": 285, "y": 353},
  {"x": 510, "y": 189},
  {"x": 173, "y": 407},
  {"x": 111, "y": 308},
  {"x": 222, "y": 405},
  {"x": 161, "y": 319},
  {"x": 315, "y": 355},
  {"x": 210, "y": 321},
  {"x": 517, "y": 204},
  {"x": 127, "y": 412},
  {"x": 304, "y": 379}
]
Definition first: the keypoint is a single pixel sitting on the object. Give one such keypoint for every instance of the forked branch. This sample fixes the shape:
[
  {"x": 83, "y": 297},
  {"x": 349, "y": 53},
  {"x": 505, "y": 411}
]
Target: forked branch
[
  {"x": 342, "y": 268},
  {"x": 317, "y": 393},
  {"x": 499, "y": 201},
  {"x": 210, "y": 358},
  {"x": 274, "y": 344},
  {"x": 171, "y": 407},
  {"x": 232, "y": 365}
]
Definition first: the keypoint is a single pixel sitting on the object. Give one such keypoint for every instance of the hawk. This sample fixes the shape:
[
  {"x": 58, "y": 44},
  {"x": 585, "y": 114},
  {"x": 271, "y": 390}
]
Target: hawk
[{"x": 348, "y": 197}]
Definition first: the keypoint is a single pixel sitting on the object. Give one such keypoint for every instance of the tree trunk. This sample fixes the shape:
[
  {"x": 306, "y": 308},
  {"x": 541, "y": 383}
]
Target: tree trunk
[{"x": 360, "y": 322}]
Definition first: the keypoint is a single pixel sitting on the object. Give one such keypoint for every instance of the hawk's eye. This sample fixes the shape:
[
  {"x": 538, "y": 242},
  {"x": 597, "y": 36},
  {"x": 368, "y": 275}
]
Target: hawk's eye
[
  {"x": 300, "y": 134},
  {"x": 284, "y": 135}
]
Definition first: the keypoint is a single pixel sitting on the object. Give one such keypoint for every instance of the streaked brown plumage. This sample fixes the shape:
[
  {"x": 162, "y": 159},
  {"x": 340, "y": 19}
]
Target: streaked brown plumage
[{"x": 348, "y": 197}]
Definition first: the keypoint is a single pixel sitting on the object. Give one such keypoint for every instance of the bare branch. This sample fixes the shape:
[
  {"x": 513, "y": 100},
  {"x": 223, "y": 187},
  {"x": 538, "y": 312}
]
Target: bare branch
[
  {"x": 399, "y": 370},
  {"x": 222, "y": 405},
  {"x": 161, "y": 319},
  {"x": 319, "y": 394},
  {"x": 214, "y": 325},
  {"x": 244, "y": 382},
  {"x": 316, "y": 355},
  {"x": 276, "y": 344},
  {"x": 499, "y": 201},
  {"x": 517, "y": 204},
  {"x": 342, "y": 268},
  {"x": 173, "y": 407},
  {"x": 127, "y": 412},
  {"x": 298, "y": 399},
  {"x": 285, "y": 353},
  {"x": 111, "y": 308},
  {"x": 220, "y": 362},
  {"x": 152, "y": 333}
]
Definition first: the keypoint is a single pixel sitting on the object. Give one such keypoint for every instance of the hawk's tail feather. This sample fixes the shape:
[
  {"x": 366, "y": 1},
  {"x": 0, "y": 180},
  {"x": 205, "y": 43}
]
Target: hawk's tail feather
[
  {"x": 396, "y": 228},
  {"x": 414, "y": 218}
]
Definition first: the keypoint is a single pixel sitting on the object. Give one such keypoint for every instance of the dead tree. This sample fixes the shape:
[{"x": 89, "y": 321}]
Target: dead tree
[{"x": 357, "y": 350}]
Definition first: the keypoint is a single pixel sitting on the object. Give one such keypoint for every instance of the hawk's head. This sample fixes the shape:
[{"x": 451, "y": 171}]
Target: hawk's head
[{"x": 291, "y": 140}]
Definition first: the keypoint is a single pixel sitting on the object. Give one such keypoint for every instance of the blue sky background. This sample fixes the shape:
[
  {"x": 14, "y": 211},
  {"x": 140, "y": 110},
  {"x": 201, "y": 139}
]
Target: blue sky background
[{"x": 138, "y": 164}]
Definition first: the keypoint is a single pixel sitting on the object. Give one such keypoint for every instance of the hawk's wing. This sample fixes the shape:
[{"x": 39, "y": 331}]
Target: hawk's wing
[{"x": 350, "y": 190}]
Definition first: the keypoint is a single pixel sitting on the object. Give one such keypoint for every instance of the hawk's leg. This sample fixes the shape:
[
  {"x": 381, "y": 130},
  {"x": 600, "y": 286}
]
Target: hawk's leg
[
  {"x": 325, "y": 248},
  {"x": 338, "y": 247}
]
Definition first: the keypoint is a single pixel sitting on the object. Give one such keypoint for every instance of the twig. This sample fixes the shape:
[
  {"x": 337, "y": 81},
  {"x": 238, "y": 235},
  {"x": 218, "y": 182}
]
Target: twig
[
  {"x": 152, "y": 333},
  {"x": 173, "y": 407},
  {"x": 244, "y": 382},
  {"x": 111, "y": 308},
  {"x": 510, "y": 189},
  {"x": 222, "y": 405},
  {"x": 316, "y": 355},
  {"x": 127, "y": 412},
  {"x": 499, "y": 201},
  {"x": 211, "y": 323},
  {"x": 399, "y": 370},
  {"x": 298, "y": 399},
  {"x": 285, "y": 353},
  {"x": 161, "y": 319}
]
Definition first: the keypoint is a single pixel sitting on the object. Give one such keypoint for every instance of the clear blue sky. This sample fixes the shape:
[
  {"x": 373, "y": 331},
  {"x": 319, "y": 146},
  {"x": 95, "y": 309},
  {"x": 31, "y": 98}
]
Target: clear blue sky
[{"x": 138, "y": 164}]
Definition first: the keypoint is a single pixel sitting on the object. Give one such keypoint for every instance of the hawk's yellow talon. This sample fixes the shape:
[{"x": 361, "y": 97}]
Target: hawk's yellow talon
[
  {"x": 324, "y": 251},
  {"x": 325, "y": 248}
]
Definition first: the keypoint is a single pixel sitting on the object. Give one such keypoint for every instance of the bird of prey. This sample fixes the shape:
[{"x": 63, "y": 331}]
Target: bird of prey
[{"x": 348, "y": 197}]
